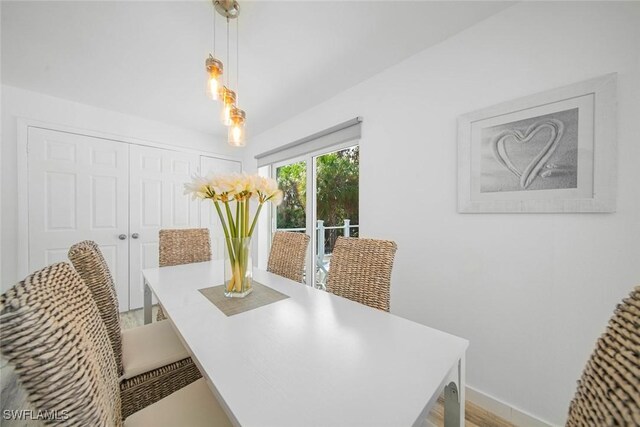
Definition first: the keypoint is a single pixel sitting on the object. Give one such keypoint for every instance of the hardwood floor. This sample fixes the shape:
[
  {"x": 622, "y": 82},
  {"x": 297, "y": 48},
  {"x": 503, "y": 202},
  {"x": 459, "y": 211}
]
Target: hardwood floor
[
  {"x": 475, "y": 416},
  {"x": 13, "y": 397}
]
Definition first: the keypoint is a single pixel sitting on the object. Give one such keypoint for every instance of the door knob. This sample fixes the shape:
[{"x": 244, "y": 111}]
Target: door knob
[
  {"x": 122, "y": 236},
  {"x": 135, "y": 235}
]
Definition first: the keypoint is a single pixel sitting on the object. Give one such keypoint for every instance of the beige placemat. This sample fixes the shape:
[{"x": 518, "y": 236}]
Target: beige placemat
[{"x": 261, "y": 295}]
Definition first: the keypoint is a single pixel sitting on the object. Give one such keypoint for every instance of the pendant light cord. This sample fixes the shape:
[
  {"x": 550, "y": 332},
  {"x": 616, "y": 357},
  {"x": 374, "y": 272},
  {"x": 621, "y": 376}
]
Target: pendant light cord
[
  {"x": 214, "y": 31},
  {"x": 229, "y": 78},
  {"x": 237, "y": 60}
]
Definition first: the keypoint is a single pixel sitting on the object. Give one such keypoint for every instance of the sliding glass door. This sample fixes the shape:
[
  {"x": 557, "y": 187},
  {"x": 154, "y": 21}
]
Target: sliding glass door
[
  {"x": 321, "y": 199},
  {"x": 292, "y": 214},
  {"x": 336, "y": 192}
]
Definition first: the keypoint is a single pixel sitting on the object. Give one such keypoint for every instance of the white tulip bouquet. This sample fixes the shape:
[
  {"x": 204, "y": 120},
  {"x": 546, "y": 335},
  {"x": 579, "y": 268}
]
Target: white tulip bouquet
[{"x": 232, "y": 193}]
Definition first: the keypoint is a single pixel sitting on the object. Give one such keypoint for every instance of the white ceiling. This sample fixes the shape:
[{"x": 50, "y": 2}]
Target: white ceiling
[{"x": 147, "y": 58}]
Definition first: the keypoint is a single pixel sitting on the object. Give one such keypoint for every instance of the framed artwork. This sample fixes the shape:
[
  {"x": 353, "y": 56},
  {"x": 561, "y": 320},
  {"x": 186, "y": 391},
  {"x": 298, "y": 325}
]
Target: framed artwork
[{"x": 550, "y": 152}]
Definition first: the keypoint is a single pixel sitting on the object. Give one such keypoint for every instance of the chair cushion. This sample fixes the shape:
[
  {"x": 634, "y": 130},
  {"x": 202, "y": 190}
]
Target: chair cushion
[
  {"x": 149, "y": 347},
  {"x": 193, "y": 405}
]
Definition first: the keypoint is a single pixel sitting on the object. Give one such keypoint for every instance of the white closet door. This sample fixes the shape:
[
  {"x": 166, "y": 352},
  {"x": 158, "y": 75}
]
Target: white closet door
[
  {"x": 78, "y": 190},
  {"x": 157, "y": 178},
  {"x": 208, "y": 214}
]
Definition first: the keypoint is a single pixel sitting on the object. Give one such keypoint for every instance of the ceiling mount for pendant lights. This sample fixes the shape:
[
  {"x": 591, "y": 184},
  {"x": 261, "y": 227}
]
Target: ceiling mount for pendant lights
[
  {"x": 217, "y": 88},
  {"x": 230, "y": 9}
]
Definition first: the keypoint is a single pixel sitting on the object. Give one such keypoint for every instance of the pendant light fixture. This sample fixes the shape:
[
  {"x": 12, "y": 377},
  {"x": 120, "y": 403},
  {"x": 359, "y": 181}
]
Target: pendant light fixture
[
  {"x": 236, "y": 130},
  {"x": 231, "y": 116},
  {"x": 214, "y": 69},
  {"x": 214, "y": 77},
  {"x": 228, "y": 98}
]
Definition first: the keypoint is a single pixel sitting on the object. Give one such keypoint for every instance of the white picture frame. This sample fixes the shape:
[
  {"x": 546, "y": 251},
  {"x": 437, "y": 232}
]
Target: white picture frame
[{"x": 554, "y": 151}]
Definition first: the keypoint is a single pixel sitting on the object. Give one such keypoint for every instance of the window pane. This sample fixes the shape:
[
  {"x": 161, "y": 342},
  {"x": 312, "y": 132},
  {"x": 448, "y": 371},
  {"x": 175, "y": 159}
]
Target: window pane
[
  {"x": 291, "y": 213},
  {"x": 337, "y": 197}
]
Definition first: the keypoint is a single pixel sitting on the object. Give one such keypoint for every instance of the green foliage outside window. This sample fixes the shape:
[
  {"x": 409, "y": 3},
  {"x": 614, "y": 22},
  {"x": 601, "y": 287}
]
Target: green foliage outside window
[
  {"x": 337, "y": 190},
  {"x": 292, "y": 180}
]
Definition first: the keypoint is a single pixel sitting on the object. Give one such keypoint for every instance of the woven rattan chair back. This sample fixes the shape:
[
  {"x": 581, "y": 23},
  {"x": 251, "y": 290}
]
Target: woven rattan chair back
[
  {"x": 149, "y": 387},
  {"x": 90, "y": 264},
  {"x": 360, "y": 270},
  {"x": 52, "y": 333},
  {"x": 184, "y": 246},
  {"x": 608, "y": 392},
  {"x": 288, "y": 254}
]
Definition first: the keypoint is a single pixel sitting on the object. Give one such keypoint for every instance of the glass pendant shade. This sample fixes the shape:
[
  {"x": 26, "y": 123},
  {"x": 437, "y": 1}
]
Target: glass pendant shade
[
  {"x": 214, "y": 77},
  {"x": 228, "y": 98},
  {"x": 237, "y": 137}
]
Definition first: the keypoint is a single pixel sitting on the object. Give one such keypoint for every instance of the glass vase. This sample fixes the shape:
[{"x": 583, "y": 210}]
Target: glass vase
[{"x": 238, "y": 270}]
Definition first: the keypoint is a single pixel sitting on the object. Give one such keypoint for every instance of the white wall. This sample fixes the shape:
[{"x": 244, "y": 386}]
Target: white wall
[
  {"x": 530, "y": 291},
  {"x": 18, "y": 103}
]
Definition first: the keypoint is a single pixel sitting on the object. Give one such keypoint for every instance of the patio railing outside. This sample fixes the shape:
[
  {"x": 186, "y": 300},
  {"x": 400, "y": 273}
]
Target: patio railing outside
[{"x": 326, "y": 238}]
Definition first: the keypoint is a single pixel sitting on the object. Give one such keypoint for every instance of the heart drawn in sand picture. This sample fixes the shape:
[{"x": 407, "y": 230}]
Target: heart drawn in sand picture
[{"x": 517, "y": 137}]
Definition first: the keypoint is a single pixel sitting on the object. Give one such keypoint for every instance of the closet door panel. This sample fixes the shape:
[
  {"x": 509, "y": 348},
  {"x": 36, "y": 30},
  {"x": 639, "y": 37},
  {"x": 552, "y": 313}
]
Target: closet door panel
[
  {"x": 157, "y": 178},
  {"x": 78, "y": 190}
]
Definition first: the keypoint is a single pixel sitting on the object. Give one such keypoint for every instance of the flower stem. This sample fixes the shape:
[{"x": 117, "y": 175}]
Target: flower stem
[
  {"x": 246, "y": 218},
  {"x": 232, "y": 226},
  {"x": 224, "y": 229},
  {"x": 238, "y": 216},
  {"x": 255, "y": 220},
  {"x": 239, "y": 221}
]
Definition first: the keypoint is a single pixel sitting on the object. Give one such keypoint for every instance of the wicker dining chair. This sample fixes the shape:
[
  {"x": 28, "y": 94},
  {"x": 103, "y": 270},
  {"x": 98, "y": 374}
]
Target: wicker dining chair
[
  {"x": 52, "y": 333},
  {"x": 183, "y": 246},
  {"x": 608, "y": 392},
  {"x": 288, "y": 254},
  {"x": 150, "y": 359},
  {"x": 361, "y": 270}
]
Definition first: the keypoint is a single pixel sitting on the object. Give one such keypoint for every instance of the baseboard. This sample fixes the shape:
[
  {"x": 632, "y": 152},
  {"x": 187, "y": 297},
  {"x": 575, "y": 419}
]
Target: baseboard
[{"x": 504, "y": 410}]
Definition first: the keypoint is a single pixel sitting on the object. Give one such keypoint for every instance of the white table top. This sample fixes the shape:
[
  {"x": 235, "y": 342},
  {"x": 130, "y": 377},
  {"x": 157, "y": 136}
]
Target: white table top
[{"x": 313, "y": 359}]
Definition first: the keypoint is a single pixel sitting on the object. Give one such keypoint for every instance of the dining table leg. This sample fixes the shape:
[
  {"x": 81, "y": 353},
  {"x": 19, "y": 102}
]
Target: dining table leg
[
  {"x": 147, "y": 304},
  {"x": 454, "y": 396}
]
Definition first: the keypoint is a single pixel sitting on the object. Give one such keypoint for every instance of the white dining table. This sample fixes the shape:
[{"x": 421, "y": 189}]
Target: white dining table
[{"x": 313, "y": 359}]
